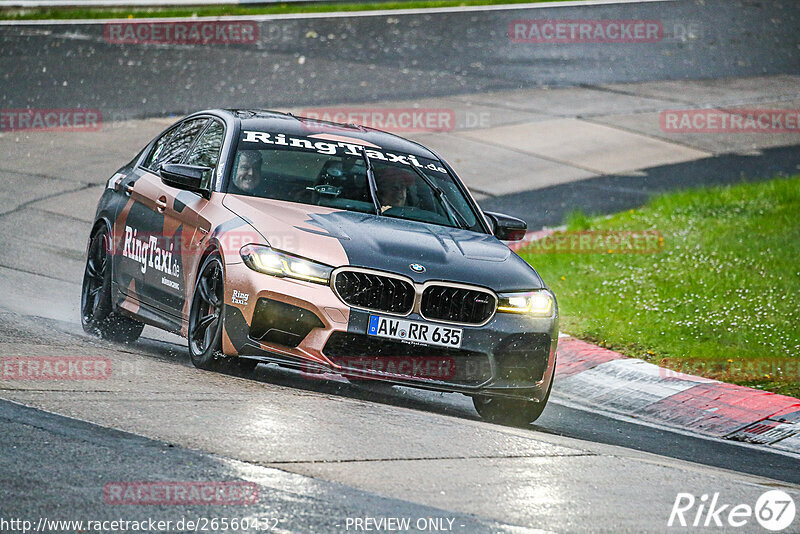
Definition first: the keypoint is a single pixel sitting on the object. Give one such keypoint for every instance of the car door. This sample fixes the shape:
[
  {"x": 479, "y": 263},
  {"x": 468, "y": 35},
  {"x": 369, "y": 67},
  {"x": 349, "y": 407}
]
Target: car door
[
  {"x": 183, "y": 219},
  {"x": 149, "y": 257},
  {"x": 129, "y": 260}
]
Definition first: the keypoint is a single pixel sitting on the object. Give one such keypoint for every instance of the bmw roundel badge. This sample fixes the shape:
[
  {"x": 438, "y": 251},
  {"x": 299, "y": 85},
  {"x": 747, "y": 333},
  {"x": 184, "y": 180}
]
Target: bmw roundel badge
[{"x": 417, "y": 268}]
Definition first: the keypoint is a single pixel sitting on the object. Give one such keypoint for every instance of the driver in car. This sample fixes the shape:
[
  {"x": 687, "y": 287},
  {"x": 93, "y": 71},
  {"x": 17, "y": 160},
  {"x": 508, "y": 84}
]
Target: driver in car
[
  {"x": 247, "y": 178},
  {"x": 393, "y": 184}
]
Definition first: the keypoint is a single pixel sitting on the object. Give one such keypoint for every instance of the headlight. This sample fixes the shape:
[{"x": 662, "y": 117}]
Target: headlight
[
  {"x": 266, "y": 260},
  {"x": 536, "y": 303}
]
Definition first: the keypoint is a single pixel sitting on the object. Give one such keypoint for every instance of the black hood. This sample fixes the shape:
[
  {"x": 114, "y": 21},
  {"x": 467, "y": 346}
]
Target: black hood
[{"x": 452, "y": 254}]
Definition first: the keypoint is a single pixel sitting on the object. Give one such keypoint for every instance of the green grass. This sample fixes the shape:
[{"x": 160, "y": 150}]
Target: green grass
[
  {"x": 226, "y": 10},
  {"x": 721, "y": 299}
]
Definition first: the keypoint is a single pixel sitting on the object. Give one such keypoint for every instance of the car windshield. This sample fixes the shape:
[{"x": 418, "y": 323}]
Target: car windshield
[{"x": 334, "y": 174}]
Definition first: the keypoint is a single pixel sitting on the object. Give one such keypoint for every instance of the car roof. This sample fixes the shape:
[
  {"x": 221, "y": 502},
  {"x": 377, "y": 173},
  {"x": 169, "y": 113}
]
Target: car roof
[{"x": 275, "y": 121}]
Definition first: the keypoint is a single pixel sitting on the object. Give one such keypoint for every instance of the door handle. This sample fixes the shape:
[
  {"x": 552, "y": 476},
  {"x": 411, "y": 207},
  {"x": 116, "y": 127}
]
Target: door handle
[{"x": 161, "y": 204}]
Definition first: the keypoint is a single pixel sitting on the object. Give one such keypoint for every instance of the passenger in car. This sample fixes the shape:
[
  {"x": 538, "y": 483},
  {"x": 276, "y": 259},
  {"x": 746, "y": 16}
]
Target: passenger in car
[{"x": 393, "y": 184}]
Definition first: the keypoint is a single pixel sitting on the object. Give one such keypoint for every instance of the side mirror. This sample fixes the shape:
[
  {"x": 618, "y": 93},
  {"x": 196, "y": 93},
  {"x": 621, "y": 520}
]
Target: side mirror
[
  {"x": 506, "y": 227},
  {"x": 188, "y": 177}
]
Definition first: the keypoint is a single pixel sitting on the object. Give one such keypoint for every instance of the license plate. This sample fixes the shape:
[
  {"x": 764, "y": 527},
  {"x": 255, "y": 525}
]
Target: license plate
[{"x": 414, "y": 331}]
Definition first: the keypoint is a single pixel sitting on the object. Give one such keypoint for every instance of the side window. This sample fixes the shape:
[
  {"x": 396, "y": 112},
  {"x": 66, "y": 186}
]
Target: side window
[
  {"x": 206, "y": 150},
  {"x": 178, "y": 143},
  {"x": 158, "y": 147}
]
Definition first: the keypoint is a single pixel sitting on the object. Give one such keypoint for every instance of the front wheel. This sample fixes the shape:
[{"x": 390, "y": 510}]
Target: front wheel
[
  {"x": 507, "y": 411},
  {"x": 205, "y": 317},
  {"x": 97, "y": 314}
]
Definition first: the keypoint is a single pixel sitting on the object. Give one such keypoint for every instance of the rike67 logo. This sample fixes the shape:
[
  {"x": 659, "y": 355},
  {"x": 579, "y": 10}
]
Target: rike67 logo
[{"x": 774, "y": 510}]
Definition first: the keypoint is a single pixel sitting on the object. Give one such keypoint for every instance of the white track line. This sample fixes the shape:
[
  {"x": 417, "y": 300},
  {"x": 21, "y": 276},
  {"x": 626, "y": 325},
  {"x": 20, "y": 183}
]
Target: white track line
[
  {"x": 558, "y": 399},
  {"x": 333, "y": 14}
]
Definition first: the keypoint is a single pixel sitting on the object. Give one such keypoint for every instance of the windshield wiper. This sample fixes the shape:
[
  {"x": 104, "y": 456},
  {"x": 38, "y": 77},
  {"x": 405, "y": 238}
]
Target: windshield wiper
[
  {"x": 454, "y": 214},
  {"x": 373, "y": 189}
]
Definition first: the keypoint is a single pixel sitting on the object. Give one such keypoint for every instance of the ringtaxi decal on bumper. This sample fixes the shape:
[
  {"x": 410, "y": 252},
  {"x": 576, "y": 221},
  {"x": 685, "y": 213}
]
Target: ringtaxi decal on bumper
[{"x": 240, "y": 298}]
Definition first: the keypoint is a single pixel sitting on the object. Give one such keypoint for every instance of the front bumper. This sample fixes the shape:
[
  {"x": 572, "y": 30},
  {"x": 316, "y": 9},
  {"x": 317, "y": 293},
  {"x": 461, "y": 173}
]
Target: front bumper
[{"x": 307, "y": 327}]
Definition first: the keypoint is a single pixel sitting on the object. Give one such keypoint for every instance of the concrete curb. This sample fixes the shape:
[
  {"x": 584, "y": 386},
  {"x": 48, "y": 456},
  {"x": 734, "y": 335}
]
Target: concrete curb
[
  {"x": 596, "y": 377},
  {"x": 593, "y": 376}
]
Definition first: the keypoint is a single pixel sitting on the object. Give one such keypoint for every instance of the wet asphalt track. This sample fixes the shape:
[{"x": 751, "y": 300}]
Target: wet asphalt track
[
  {"x": 320, "y": 61},
  {"x": 325, "y": 451}
]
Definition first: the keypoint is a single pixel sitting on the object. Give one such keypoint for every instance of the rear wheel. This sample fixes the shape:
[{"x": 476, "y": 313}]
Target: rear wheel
[{"x": 97, "y": 315}]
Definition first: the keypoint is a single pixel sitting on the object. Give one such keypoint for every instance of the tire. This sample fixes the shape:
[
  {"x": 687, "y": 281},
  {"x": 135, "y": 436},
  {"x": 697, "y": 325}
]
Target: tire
[
  {"x": 514, "y": 412},
  {"x": 98, "y": 317},
  {"x": 206, "y": 315}
]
